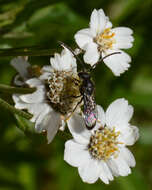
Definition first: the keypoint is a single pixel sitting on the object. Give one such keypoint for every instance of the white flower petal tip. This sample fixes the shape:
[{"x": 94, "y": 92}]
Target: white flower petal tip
[
  {"x": 100, "y": 39},
  {"x": 77, "y": 51},
  {"x": 98, "y": 21},
  {"x": 64, "y": 62},
  {"x": 119, "y": 113},
  {"x": 102, "y": 152},
  {"x": 21, "y": 65}
]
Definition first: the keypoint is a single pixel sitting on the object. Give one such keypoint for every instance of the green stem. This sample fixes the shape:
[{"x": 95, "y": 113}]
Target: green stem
[
  {"x": 26, "y": 52},
  {"x": 17, "y": 90},
  {"x": 13, "y": 110}
]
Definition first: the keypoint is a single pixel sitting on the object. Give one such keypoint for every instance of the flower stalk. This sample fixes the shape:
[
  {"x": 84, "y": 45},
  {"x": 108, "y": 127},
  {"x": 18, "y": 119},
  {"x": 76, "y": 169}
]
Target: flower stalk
[{"x": 16, "y": 90}]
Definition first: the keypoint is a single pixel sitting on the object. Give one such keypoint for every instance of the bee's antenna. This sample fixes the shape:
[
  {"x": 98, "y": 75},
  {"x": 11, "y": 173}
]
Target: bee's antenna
[
  {"x": 100, "y": 60},
  {"x": 74, "y": 54}
]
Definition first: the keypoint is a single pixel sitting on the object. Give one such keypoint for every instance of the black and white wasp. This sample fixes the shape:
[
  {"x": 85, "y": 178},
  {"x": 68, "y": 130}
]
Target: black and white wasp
[
  {"x": 87, "y": 87},
  {"x": 87, "y": 90}
]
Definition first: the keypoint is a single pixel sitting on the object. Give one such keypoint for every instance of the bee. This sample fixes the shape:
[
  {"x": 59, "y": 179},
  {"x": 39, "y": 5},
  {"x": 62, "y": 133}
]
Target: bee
[{"x": 87, "y": 91}]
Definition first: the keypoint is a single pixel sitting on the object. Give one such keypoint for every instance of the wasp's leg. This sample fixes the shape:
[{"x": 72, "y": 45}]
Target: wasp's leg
[
  {"x": 74, "y": 109},
  {"x": 77, "y": 105},
  {"x": 100, "y": 60},
  {"x": 73, "y": 96}
]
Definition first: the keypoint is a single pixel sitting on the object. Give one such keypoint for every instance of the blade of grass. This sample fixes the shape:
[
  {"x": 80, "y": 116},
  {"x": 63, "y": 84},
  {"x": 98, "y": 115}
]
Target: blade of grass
[
  {"x": 18, "y": 90},
  {"x": 13, "y": 110}
]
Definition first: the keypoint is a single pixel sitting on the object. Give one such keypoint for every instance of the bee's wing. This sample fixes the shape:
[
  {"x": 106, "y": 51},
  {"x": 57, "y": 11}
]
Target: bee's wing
[{"x": 27, "y": 51}]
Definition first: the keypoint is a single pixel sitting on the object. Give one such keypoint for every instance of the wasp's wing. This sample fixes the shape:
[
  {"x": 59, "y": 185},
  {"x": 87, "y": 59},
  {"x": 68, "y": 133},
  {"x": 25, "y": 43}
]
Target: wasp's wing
[
  {"x": 90, "y": 111},
  {"x": 27, "y": 51}
]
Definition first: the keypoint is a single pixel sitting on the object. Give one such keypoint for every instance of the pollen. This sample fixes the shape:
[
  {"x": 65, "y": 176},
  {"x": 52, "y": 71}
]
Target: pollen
[
  {"x": 104, "y": 144},
  {"x": 63, "y": 91},
  {"x": 105, "y": 40}
]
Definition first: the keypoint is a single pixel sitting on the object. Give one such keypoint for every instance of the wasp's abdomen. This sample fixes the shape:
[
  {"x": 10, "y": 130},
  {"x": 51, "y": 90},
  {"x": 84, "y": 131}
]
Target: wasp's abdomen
[
  {"x": 90, "y": 112},
  {"x": 90, "y": 120}
]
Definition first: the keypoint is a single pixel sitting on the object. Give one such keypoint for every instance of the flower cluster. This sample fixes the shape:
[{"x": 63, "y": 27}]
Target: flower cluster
[{"x": 65, "y": 97}]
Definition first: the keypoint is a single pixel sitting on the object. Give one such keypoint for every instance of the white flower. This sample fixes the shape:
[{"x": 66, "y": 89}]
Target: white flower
[
  {"x": 48, "y": 104},
  {"x": 102, "y": 153},
  {"x": 100, "y": 39}
]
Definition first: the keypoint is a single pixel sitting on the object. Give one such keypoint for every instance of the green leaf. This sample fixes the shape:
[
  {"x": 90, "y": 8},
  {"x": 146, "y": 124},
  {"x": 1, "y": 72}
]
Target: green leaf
[
  {"x": 13, "y": 110},
  {"x": 28, "y": 128},
  {"x": 25, "y": 125}
]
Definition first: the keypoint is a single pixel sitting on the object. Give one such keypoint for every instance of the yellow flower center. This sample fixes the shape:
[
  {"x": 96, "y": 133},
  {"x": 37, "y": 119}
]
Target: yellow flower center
[
  {"x": 105, "y": 40},
  {"x": 103, "y": 143}
]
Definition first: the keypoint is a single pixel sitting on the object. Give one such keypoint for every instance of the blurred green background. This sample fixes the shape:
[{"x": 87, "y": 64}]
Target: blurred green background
[{"x": 29, "y": 163}]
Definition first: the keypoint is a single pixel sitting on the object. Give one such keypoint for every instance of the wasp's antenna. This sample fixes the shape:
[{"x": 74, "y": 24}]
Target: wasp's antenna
[
  {"x": 71, "y": 50},
  {"x": 100, "y": 60}
]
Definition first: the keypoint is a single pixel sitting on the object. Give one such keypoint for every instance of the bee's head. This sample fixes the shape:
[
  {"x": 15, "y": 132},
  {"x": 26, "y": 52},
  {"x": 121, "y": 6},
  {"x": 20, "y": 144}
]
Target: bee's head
[{"x": 84, "y": 75}]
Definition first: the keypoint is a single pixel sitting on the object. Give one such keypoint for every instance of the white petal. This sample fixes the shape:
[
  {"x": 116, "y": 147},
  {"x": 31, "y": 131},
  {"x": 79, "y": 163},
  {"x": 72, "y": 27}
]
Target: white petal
[
  {"x": 77, "y": 51},
  {"x": 113, "y": 167},
  {"x": 101, "y": 115},
  {"x": 62, "y": 126},
  {"x": 83, "y": 37},
  {"x": 90, "y": 171},
  {"x": 64, "y": 62},
  {"x": 119, "y": 113},
  {"x": 122, "y": 166},
  {"x": 21, "y": 65},
  {"x": 46, "y": 68},
  {"x": 101, "y": 118},
  {"x": 18, "y": 81},
  {"x": 123, "y": 42},
  {"x": 118, "y": 63},
  {"x": 43, "y": 112},
  {"x": 39, "y": 111},
  {"x": 105, "y": 173},
  {"x": 128, "y": 156},
  {"x": 51, "y": 123},
  {"x": 44, "y": 116},
  {"x": 46, "y": 72},
  {"x": 109, "y": 24},
  {"x": 78, "y": 129},
  {"x": 91, "y": 55},
  {"x": 68, "y": 62},
  {"x": 129, "y": 135},
  {"x": 55, "y": 62},
  {"x": 122, "y": 31},
  {"x": 36, "y": 97},
  {"x": 76, "y": 154},
  {"x": 103, "y": 20},
  {"x": 34, "y": 82},
  {"x": 98, "y": 21}
]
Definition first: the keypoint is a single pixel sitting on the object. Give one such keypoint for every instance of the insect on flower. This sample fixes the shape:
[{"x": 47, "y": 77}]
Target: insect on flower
[
  {"x": 87, "y": 91},
  {"x": 86, "y": 88}
]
